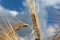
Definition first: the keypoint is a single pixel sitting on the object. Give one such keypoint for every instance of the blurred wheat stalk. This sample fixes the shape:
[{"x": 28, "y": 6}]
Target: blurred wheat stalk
[{"x": 8, "y": 32}]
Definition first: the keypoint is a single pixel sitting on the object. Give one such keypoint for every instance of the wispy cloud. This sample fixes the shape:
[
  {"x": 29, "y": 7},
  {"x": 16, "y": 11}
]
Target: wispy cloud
[
  {"x": 5, "y": 12},
  {"x": 49, "y": 2}
]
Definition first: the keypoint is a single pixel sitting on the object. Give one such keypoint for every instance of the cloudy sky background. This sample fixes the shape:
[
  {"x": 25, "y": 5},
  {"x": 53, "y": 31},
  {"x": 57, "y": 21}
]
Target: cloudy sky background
[{"x": 47, "y": 11}]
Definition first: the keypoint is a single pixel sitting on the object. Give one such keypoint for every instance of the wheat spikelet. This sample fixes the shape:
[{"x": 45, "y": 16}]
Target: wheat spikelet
[
  {"x": 34, "y": 17},
  {"x": 19, "y": 26}
]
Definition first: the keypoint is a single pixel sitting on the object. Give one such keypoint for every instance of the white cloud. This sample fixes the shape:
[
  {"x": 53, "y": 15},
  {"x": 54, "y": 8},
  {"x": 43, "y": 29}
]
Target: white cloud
[
  {"x": 51, "y": 30},
  {"x": 1, "y": 8},
  {"x": 13, "y": 13},
  {"x": 5, "y": 12},
  {"x": 22, "y": 38},
  {"x": 50, "y": 2}
]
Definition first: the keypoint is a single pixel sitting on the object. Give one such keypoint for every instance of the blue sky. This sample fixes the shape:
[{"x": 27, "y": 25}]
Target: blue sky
[
  {"x": 13, "y": 4},
  {"x": 45, "y": 10}
]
